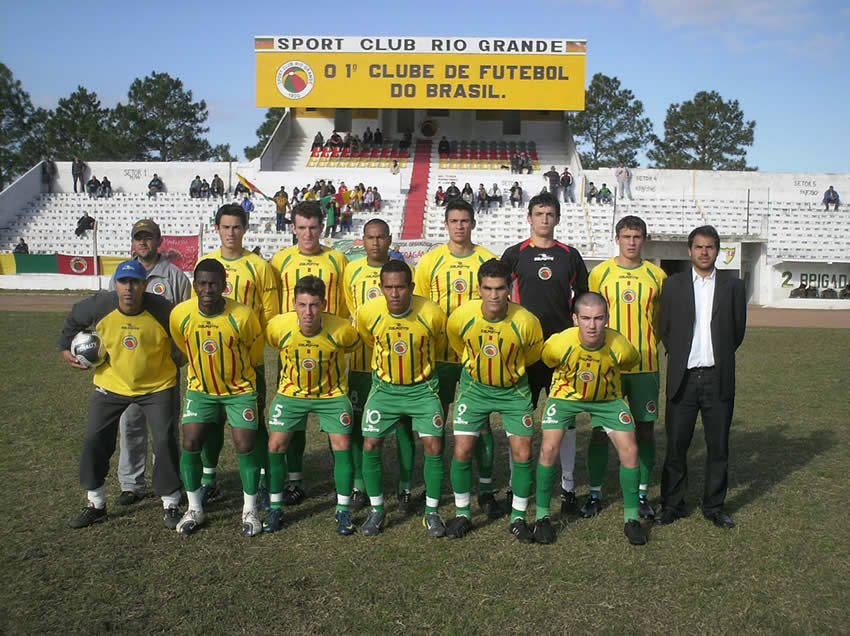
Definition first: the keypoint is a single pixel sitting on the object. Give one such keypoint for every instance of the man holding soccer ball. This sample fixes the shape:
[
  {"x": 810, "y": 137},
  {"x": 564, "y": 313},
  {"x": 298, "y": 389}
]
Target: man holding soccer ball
[{"x": 139, "y": 368}]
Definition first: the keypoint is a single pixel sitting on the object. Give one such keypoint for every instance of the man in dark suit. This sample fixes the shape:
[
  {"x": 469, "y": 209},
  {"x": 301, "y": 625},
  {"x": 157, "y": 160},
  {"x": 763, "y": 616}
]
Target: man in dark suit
[{"x": 702, "y": 321}]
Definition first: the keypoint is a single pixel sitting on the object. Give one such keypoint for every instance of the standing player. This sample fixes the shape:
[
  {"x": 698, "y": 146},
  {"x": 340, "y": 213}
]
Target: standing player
[
  {"x": 224, "y": 343},
  {"x": 632, "y": 288},
  {"x": 588, "y": 360},
  {"x": 547, "y": 276},
  {"x": 361, "y": 283},
  {"x": 404, "y": 330},
  {"x": 139, "y": 370},
  {"x": 166, "y": 280},
  {"x": 498, "y": 340},
  {"x": 307, "y": 258},
  {"x": 312, "y": 348},
  {"x": 448, "y": 275},
  {"x": 250, "y": 281}
]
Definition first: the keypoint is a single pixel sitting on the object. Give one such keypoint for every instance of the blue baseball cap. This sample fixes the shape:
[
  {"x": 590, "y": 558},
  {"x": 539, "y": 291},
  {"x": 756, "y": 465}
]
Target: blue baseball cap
[{"x": 130, "y": 269}]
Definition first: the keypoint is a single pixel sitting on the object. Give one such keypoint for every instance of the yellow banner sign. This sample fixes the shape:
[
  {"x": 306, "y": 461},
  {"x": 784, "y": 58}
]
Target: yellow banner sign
[{"x": 418, "y": 72}]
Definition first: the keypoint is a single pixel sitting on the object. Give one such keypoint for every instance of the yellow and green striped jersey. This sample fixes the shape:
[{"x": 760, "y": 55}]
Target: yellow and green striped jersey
[
  {"x": 329, "y": 265},
  {"x": 252, "y": 282},
  {"x": 449, "y": 281},
  {"x": 404, "y": 346},
  {"x": 495, "y": 353},
  {"x": 222, "y": 349},
  {"x": 591, "y": 375},
  {"x": 634, "y": 297},
  {"x": 361, "y": 282},
  {"x": 312, "y": 366}
]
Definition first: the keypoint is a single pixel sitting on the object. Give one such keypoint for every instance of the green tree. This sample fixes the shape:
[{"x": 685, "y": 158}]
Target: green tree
[
  {"x": 705, "y": 133},
  {"x": 21, "y": 129},
  {"x": 264, "y": 132},
  {"x": 612, "y": 127},
  {"x": 80, "y": 126}
]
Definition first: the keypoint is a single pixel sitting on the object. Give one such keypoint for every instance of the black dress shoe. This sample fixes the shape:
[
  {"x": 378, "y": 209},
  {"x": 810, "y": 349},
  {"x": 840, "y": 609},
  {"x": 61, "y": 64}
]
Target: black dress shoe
[
  {"x": 666, "y": 517},
  {"x": 721, "y": 519}
]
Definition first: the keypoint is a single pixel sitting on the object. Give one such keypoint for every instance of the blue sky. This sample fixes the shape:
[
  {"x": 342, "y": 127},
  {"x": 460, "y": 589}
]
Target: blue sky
[{"x": 785, "y": 61}]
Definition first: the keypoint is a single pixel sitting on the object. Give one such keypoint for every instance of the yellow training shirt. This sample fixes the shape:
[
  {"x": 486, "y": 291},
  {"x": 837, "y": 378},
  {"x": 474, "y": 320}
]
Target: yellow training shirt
[
  {"x": 252, "y": 282},
  {"x": 329, "y": 265}
]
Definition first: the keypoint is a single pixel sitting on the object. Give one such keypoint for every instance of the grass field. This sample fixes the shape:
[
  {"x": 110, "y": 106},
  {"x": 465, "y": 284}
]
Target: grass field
[{"x": 785, "y": 568}]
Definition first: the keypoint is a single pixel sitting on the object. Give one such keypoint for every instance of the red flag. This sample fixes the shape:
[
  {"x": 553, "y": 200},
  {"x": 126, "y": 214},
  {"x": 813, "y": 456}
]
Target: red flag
[{"x": 80, "y": 265}]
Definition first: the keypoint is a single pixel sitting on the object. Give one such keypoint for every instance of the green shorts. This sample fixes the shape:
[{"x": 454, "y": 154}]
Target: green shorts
[
  {"x": 239, "y": 410},
  {"x": 359, "y": 385},
  {"x": 449, "y": 375},
  {"x": 613, "y": 415},
  {"x": 387, "y": 403},
  {"x": 289, "y": 414},
  {"x": 475, "y": 401},
  {"x": 641, "y": 389}
]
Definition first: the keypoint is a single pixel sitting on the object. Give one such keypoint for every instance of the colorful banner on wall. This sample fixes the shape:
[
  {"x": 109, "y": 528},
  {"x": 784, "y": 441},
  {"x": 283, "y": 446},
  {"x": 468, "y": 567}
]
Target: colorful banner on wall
[{"x": 420, "y": 72}]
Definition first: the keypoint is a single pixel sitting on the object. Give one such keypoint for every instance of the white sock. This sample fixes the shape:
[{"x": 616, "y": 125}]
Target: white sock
[
  {"x": 98, "y": 497},
  {"x": 249, "y": 503},
  {"x": 195, "y": 498},
  {"x": 568, "y": 459}
]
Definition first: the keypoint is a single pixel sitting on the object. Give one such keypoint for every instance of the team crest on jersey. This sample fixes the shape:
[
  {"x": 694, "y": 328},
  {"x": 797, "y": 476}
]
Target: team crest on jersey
[
  {"x": 625, "y": 418},
  {"x": 400, "y": 347},
  {"x": 130, "y": 342},
  {"x": 228, "y": 288},
  {"x": 158, "y": 289},
  {"x": 308, "y": 363},
  {"x": 437, "y": 421},
  {"x": 628, "y": 295},
  {"x": 248, "y": 414},
  {"x": 651, "y": 406},
  {"x": 459, "y": 285},
  {"x": 544, "y": 273},
  {"x": 345, "y": 419},
  {"x": 490, "y": 350},
  {"x": 586, "y": 376},
  {"x": 209, "y": 346},
  {"x": 527, "y": 422},
  {"x": 373, "y": 292}
]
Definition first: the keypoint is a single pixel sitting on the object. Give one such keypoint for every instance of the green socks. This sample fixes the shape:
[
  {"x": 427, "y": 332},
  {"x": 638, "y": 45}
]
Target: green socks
[
  {"x": 295, "y": 457},
  {"x": 343, "y": 475},
  {"x": 546, "y": 476},
  {"x": 484, "y": 460},
  {"x": 249, "y": 472},
  {"x": 373, "y": 474},
  {"x": 629, "y": 478},
  {"x": 646, "y": 454},
  {"x": 190, "y": 469},
  {"x": 357, "y": 456},
  {"x": 405, "y": 449},
  {"x": 433, "y": 482},
  {"x": 461, "y": 476},
  {"x": 521, "y": 481},
  {"x": 597, "y": 462},
  {"x": 277, "y": 478},
  {"x": 211, "y": 452}
]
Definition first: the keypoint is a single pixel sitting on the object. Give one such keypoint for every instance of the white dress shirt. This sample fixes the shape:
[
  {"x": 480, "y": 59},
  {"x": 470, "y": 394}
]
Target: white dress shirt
[{"x": 702, "y": 353}]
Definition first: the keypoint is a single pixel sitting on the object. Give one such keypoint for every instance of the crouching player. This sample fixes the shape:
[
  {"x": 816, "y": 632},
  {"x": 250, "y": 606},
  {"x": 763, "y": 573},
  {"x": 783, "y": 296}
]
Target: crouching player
[
  {"x": 223, "y": 341},
  {"x": 588, "y": 360},
  {"x": 312, "y": 347}
]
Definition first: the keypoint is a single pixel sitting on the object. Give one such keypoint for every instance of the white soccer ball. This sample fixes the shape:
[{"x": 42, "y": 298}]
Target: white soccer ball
[{"x": 88, "y": 348}]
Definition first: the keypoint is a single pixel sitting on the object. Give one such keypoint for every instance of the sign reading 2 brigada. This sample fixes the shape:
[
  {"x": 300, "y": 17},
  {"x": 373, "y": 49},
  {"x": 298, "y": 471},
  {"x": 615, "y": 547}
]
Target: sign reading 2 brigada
[{"x": 420, "y": 72}]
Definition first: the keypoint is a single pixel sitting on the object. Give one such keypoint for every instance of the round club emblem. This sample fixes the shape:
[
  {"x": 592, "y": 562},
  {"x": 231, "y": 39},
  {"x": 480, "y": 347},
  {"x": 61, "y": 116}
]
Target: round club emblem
[
  {"x": 400, "y": 347},
  {"x": 651, "y": 406},
  {"x": 345, "y": 419},
  {"x": 437, "y": 421},
  {"x": 248, "y": 414},
  {"x": 628, "y": 295},
  {"x": 586, "y": 376},
  {"x": 295, "y": 79},
  {"x": 490, "y": 350},
  {"x": 78, "y": 265},
  {"x": 209, "y": 346},
  {"x": 624, "y": 418},
  {"x": 373, "y": 292},
  {"x": 308, "y": 363},
  {"x": 527, "y": 422},
  {"x": 228, "y": 288},
  {"x": 459, "y": 286},
  {"x": 158, "y": 288},
  {"x": 130, "y": 342},
  {"x": 544, "y": 273}
]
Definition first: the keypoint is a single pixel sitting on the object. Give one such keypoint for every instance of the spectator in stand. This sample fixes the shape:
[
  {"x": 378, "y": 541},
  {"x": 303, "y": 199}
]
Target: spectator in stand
[
  {"x": 329, "y": 187},
  {"x": 495, "y": 196},
  {"x": 335, "y": 140},
  {"x": 830, "y": 196},
  {"x": 467, "y": 194},
  {"x": 356, "y": 199},
  {"x": 525, "y": 162},
  {"x": 155, "y": 186},
  {"x": 516, "y": 195},
  {"x": 346, "y": 219},
  {"x": 569, "y": 186},
  {"x": 195, "y": 187},
  {"x": 452, "y": 192},
  {"x": 799, "y": 292},
  {"x": 342, "y": 187},
  {"x": 48, "y": 173},
  {"x": 554, "y": 178},
  {"x": 296, "y": 196},
  {"x": 440, "y": 196},
  {"x": 624, "y": 181},
  {"x": 368, "y": 198},
  {"x": 368, "y": 137},
  {"x": 829, "y": 293},
  {"x": 515, "y": 161},
  {"x": 105, "y": 190},
  {"x": 84, "y": 224},
  {"x": 378, "y": 137},
  {"x": 395, "y": 169},
  {"x": 246, "y": 204},
  {"x": 328, "y": 203},
  {"x": 240, "y": 190},
  {"x": 844, "y": 294},
  {"x": 318, "y": 140},
  {"x": 282, "y": 206},
  {"x": 376, "y": 199},
  {"x": 21, "y": 247},
  {"x": 604, "y": 194},
  {"x": 356, "y": 144},
  {"x": 205, "y": 189},
  {"x": 92, "y": 187},
  {"x": 812, "y": 292},
  {"x": 346, "y": 141},
  {"x": 406, "y": 140},
  {"x": 444, "y": 147},
  {"x": 78, "y": 168},
  {"x": 395, "y": 253},
  {"x": 481, "y": 197},
  {"x": 592, "y": 192},
  {"x": 217, "y": 187}
]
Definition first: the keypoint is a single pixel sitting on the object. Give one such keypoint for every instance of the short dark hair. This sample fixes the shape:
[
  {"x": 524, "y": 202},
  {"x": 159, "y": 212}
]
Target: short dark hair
[
  {"x": 211, "y": 265},
  {"x": 394, "y": 266},
  {"x": 377, "y": 221},
  {"x": 590, "y": 299},
  {"x": 545, "y": 199},
  {"x": 311, "y": 285},
  {"x": 494, "y": 268},
  {"x": 631, "y": 222},
  {"x": 232, "y": 209},
  {"x": 704, "y": 230},
  {"x": 308, "y": 210},
  {"x": 459, "y": 204}
]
